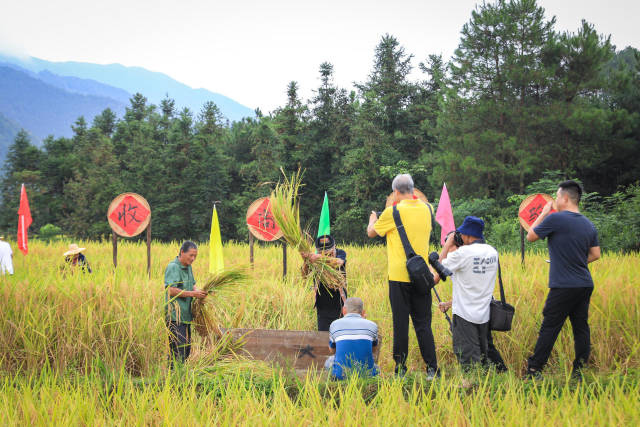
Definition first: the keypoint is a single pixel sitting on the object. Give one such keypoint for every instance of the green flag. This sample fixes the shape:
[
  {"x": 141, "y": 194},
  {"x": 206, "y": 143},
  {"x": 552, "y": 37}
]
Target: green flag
[{"x": 324, "y": 227}]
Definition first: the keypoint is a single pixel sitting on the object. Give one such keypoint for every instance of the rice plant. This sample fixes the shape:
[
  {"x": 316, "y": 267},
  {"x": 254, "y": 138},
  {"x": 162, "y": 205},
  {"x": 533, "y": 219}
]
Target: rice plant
[
  {"x": 285, "y": 207},
  {"x": 92, "y": 349}
]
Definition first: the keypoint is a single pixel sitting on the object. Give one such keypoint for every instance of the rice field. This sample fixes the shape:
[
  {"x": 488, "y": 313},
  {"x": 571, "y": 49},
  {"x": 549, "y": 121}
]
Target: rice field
[{"x": 92, "y": 349}]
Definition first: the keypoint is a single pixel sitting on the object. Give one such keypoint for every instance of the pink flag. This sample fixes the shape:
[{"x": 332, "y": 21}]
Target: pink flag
[
  {"x": 24, "y": 221},
  {"x": 444, "y": 215}
]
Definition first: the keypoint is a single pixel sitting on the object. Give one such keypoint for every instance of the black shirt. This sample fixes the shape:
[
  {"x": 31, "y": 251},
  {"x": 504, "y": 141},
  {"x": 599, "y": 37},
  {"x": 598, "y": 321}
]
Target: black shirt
[
  {"x": 329, "y": 299},
  {"x": 570, "y": 236}
]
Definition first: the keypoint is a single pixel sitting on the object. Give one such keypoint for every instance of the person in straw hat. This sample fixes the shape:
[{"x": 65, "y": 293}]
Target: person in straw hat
[
  {"x": 6, "y": 257},
  {"x": 75, "y": 258}
]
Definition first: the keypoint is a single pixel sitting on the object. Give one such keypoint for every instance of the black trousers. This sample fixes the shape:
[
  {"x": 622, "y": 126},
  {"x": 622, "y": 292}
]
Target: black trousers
[
  {"x": 326, "y": 316},
  {"x": 179, "y": 342},
  {"x": 493, "y": 355},
  {"x": 469, "y": 341},
  {"x": 406, "y": 302},
  {"x": 560, "y": 304}
]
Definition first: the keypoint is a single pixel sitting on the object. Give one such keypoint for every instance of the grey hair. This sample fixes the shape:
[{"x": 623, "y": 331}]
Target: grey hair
[
  {"x": 187, "y": 246},
  {"x": 403, "y": 183},
  {"x": 354, "y": 305}
]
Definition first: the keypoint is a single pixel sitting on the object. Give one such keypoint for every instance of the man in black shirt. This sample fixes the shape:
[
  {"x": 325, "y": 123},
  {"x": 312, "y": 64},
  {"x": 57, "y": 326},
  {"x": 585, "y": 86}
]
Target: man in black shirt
[
  {"x": 328, "y": 302},
  {"x": 573, "y": 244}
]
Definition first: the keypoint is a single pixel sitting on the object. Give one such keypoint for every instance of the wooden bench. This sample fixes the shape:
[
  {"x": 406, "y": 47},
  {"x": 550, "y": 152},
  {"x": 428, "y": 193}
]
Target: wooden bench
[{"x": 301, "y": 350}]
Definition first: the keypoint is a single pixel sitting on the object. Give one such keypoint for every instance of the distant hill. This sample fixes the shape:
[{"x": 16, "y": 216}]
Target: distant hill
[
  {"x": 44, "y": 109},
  {"x": 85, "y": 86},
  {"x": 154, "y": 85}
]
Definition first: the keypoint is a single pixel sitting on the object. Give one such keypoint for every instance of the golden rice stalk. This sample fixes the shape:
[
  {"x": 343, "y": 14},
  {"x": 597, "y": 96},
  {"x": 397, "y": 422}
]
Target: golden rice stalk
[
  {"x": 285, "y": 207},
  {"x": 205, "y": 321},
  {"x": 226, "y": 347}
]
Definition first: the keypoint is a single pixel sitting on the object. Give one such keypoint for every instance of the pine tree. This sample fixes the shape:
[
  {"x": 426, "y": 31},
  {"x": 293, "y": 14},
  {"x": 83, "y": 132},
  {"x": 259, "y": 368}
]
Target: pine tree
[{"x": 22, "y": 165}]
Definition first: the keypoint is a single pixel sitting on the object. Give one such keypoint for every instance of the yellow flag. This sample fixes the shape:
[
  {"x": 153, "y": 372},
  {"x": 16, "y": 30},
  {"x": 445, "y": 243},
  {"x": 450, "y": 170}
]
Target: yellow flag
[{"x": 216, "y": 263}]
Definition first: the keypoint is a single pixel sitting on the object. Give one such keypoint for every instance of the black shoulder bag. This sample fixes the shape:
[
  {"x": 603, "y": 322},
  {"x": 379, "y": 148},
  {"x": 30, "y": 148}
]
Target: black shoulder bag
[
  {"x": 501, "y": 313},
  {"x": 419, "y": 273}
]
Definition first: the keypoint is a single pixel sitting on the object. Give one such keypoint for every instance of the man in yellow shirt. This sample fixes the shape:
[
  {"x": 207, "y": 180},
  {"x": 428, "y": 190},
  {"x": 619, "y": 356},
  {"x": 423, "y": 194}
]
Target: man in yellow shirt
[{"x": 405, "y": 300}]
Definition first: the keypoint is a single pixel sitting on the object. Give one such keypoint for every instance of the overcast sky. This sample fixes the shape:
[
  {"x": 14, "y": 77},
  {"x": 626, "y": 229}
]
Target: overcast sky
[{"x": 250, "y": 49}]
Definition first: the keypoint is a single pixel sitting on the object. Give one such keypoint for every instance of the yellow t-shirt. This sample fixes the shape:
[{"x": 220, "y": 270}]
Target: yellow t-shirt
[{"x": 416, "y": 217}]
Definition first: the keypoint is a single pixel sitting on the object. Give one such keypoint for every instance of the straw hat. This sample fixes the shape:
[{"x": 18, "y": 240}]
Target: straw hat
[{"x": 73, "y": 249}]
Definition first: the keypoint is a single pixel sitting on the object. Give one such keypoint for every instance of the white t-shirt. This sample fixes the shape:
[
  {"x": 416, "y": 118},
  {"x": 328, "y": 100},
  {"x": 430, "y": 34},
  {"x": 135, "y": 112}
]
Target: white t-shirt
[
  {"x": 6, "y": 263},
  {"x": 474, "y": 270}
]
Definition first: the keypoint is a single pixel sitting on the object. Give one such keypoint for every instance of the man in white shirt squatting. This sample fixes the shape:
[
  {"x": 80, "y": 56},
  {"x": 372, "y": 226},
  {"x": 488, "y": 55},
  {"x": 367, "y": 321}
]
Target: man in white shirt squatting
[{"x": 474, "y": 266}]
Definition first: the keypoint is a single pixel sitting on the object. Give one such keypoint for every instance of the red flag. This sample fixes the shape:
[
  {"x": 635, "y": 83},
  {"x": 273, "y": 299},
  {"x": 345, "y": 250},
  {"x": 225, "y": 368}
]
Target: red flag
[
  {"x": 444, "y": 215},
  {"x": 24, "y": 221}
]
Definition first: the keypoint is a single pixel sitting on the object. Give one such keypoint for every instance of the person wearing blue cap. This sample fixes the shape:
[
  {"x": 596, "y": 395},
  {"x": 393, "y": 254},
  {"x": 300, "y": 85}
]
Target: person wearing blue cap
[
  {"x": 494, "y": 358},
  {"x": 328, "y": 302},
  {"x": 474, "y": 266}
]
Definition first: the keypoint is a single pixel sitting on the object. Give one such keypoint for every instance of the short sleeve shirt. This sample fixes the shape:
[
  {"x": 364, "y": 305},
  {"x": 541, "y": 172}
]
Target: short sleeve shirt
[
  {"x": 178, "y": 276},
  {"x": 474, "y": 270},
  {"x": 353, "y": 337},
  {"x": 569, "y": 236},
  {"x": 416, "y": 218}
]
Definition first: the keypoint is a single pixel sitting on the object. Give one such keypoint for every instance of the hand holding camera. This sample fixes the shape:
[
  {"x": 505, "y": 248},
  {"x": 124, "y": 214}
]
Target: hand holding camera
[{"x": 443, "y": 272}]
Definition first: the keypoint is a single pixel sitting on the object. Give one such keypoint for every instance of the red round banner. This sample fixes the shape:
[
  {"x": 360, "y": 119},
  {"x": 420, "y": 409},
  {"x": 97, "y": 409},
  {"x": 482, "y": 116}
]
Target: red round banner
[
  {"x": 260, "y": 221},
  {"x": 129, "y": 214},
  {"x": 531, "y": 208}
]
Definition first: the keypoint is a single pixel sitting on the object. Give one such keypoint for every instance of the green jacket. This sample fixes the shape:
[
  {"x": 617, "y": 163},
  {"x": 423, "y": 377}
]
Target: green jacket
[{"x": 178, "y": 276}]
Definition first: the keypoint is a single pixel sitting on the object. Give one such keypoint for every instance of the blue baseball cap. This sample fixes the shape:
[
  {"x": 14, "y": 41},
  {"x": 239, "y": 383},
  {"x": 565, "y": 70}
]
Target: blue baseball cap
[{"x": 472, "y": 226}]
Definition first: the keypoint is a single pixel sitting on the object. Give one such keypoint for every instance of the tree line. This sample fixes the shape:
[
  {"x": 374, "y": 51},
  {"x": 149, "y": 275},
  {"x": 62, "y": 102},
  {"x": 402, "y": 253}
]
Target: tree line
[{"x": 518, "y": 107}]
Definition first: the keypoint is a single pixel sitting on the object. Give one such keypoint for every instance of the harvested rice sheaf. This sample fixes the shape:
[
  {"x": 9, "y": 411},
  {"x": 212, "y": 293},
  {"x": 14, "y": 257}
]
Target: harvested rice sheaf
[
  {"x": 285, "y": 207},
  {"x": 205, "y": 321}
]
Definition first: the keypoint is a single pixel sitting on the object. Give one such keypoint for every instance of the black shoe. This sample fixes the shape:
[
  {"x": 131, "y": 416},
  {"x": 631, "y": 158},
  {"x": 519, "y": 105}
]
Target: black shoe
[
  {"x": 577, "y": 370},
  {"x": 433, "y": 373},
  {"x": 532, "y": 374},
  {"x": 576, "y": 375},
  {"x": 501, "y": 368},
  {"x": 400, "y": 371}
]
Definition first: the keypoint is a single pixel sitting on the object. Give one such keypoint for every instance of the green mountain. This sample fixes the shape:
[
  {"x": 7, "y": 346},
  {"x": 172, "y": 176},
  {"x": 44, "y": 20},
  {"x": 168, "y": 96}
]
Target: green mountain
[
  {"x": 154, "y": 85},
  {"x": 44, "y": 109}
]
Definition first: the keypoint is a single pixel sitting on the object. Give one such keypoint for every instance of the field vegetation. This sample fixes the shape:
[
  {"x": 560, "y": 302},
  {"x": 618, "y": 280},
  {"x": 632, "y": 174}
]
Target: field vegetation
[{"x": 91, "y": 349}]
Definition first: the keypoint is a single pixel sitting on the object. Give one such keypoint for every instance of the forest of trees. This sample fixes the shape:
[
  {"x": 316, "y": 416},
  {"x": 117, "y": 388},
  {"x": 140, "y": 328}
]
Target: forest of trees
[{"x": 517, "y": 108}]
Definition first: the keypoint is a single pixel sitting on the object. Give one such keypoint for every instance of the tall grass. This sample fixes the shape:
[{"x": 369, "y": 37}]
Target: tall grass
[
  {"x": 118, "y": 317},
  {"x": 60, "y": 337},
  {"x": 231, "y": 396}
]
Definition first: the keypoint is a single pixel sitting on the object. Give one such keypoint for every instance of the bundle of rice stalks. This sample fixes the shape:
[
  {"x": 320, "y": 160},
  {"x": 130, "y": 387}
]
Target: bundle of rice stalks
[
  {"x": 205, "y": 321},
  {"x": 285, "y": 207},
  {"x": 226, "y": 347},
  {"x": 220, "y": 361}
]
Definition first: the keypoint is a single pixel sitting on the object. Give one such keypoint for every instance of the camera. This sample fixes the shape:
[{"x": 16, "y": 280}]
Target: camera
[
  {"x": 457, "y": 238},
  {"x": 443, "y": 272}
]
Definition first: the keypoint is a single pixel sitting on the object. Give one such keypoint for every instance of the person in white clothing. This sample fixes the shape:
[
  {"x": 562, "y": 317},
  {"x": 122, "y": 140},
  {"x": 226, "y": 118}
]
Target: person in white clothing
[
  {"x": 474, "y": 266},
  {"x": 6, "y": 257}
]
